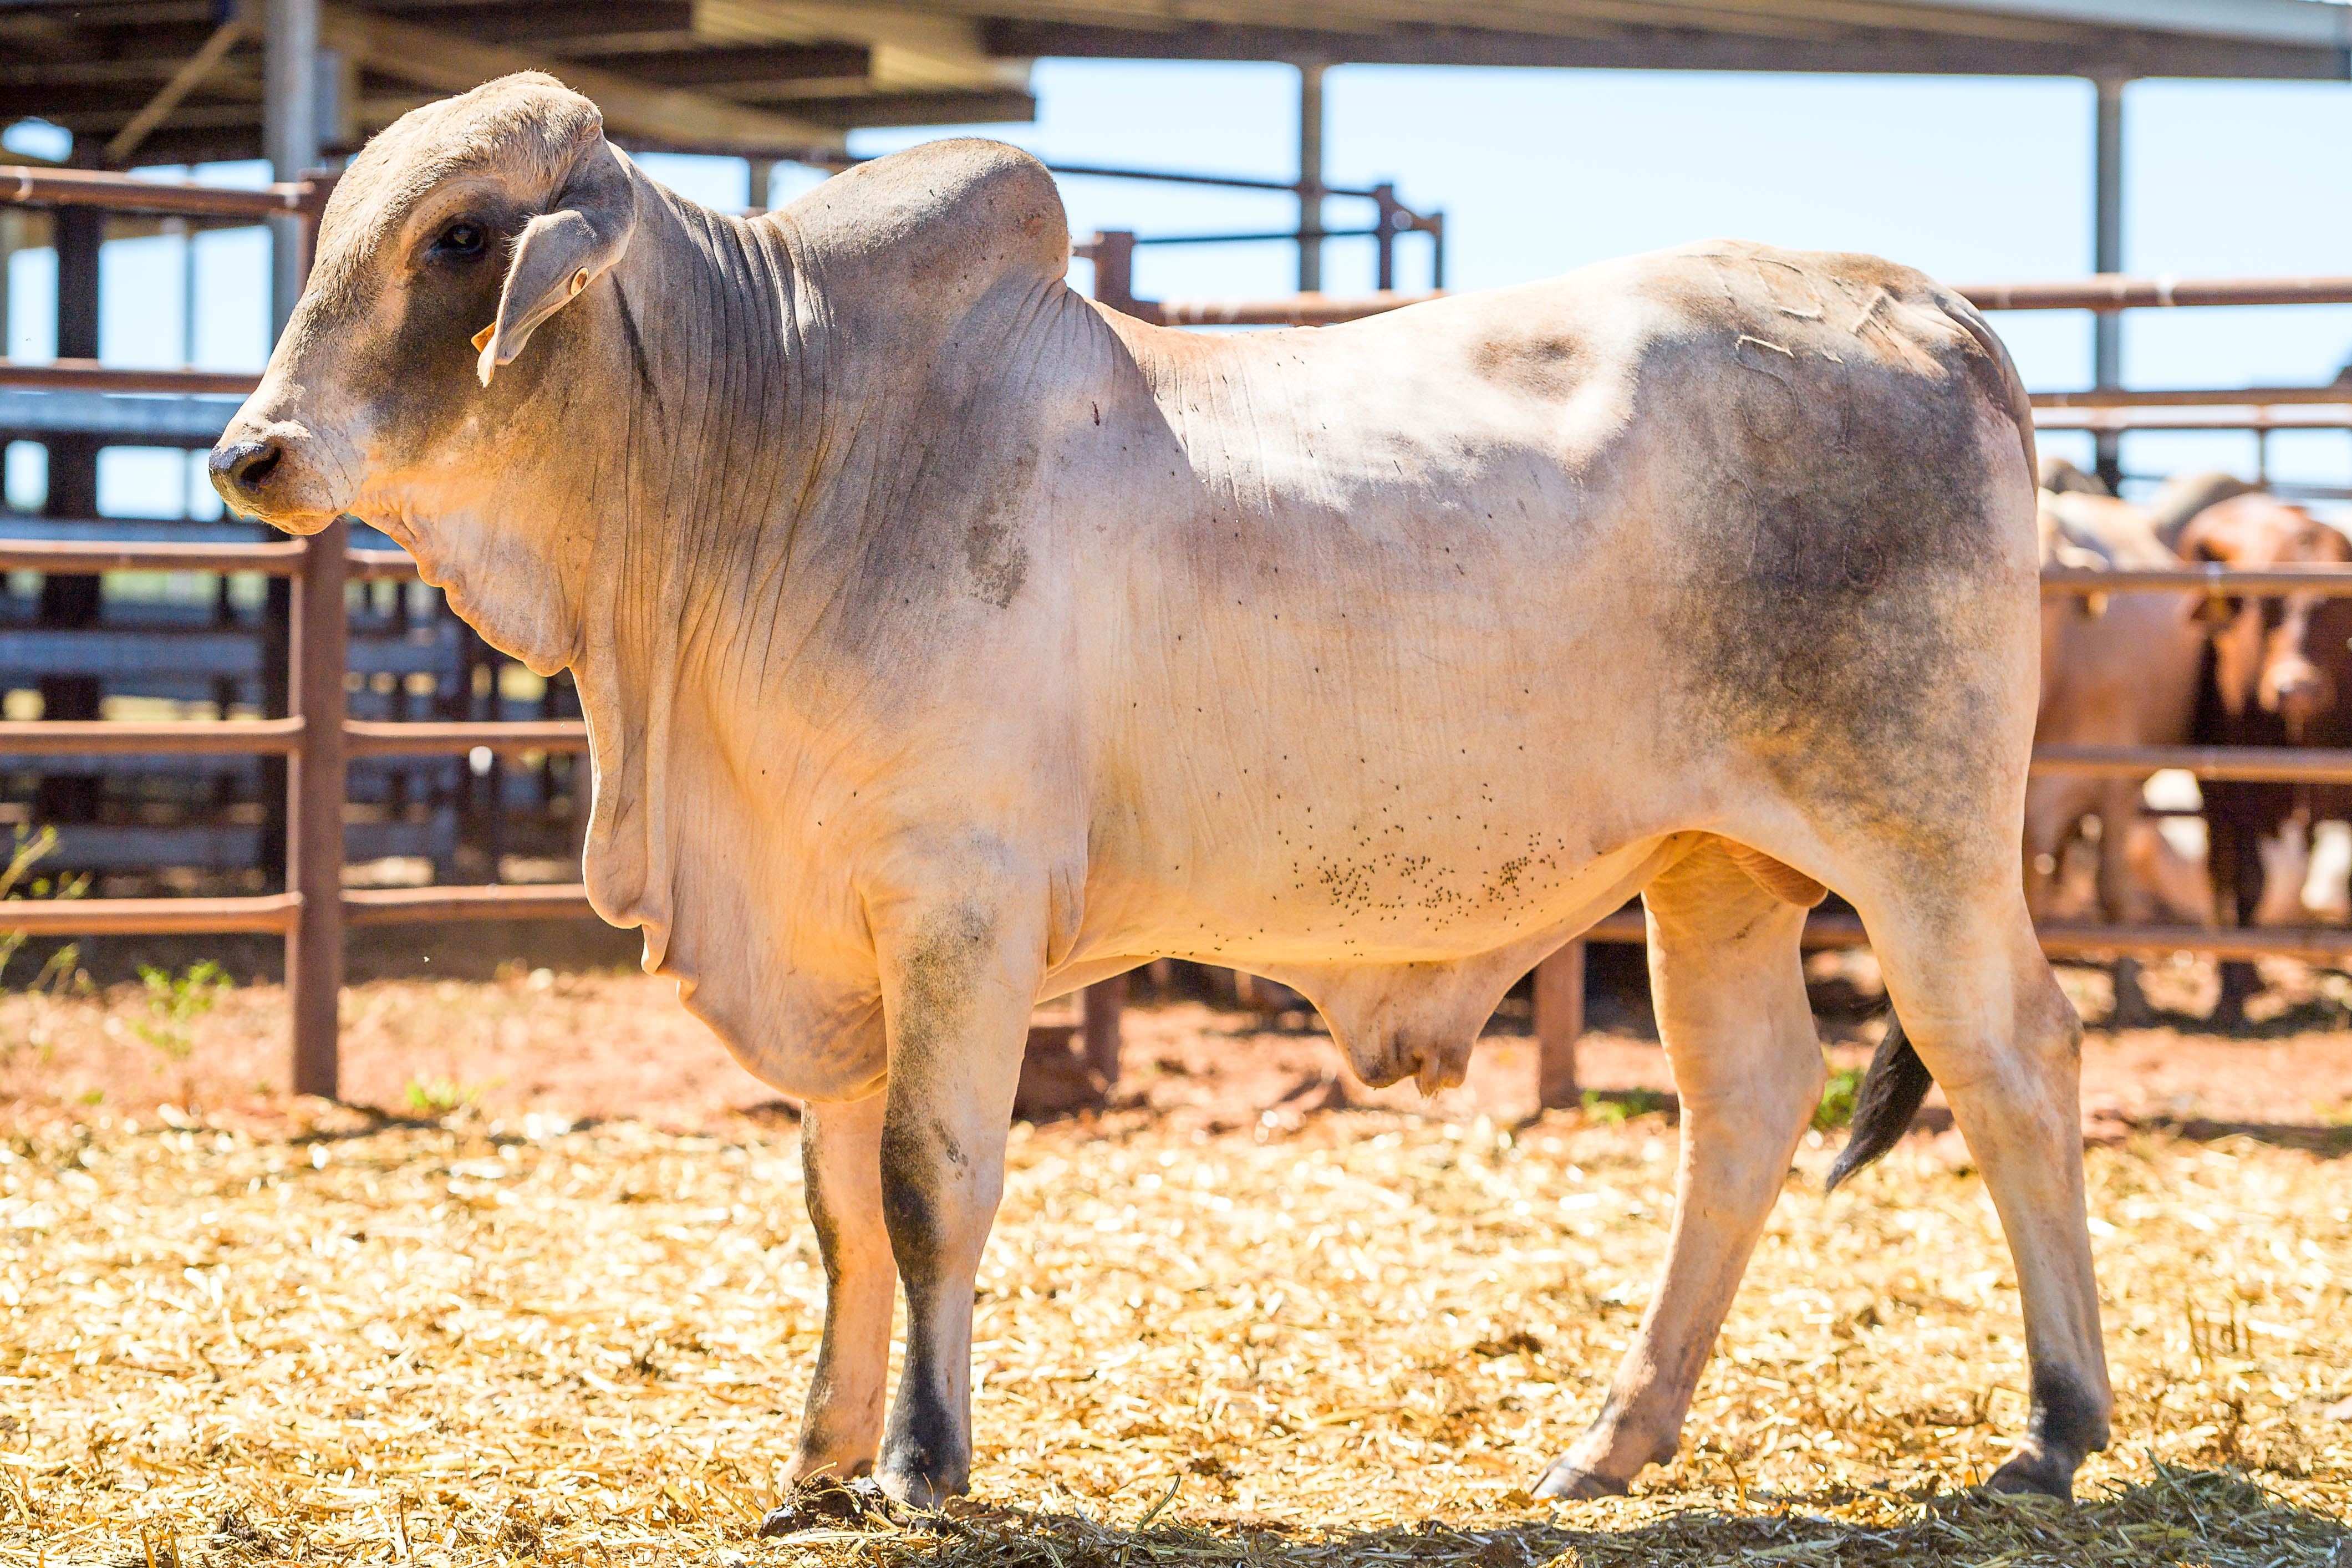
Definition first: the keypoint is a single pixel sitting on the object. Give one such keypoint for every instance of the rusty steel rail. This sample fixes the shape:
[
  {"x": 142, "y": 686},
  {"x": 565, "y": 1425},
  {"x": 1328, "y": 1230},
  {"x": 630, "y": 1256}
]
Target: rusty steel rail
[
  {"x": 2325, "y": 581},
  {"x": 283, "y": 737},
  {"x": 2103, "y": 293},
  {"x": 502, "y": 902},
  {"x": 27, "y": 186},
  {"x": 2074, "y": 939},
  {"x": 2226, "y": 764},
  {"x": 80, "y": 557},
  {"x": 364, "y": 738},
  {"x": 2194, "y": 397},
  {"x": 179, "y": 738},
  {"x": 92, "y": 375},
  {"x": 1293, "y": 311},
  {"x": 383, "y": 565},
  {"x": 2110, "y": 291},
  {"x": 2333, "y": 415},
  {"x": 273, "y": 913}
]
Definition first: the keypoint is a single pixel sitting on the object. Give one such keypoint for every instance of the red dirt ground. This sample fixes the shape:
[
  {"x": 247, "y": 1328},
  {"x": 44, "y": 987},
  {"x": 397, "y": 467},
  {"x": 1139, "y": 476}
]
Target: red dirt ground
[{"x": 573, "y": 1047}]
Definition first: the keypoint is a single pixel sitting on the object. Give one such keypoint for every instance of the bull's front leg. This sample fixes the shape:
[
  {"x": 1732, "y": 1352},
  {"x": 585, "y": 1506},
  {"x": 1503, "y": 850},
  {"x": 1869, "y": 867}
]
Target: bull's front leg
[
  {"x": 841, "y": 1425},
  {"x": 958, "y": 984}
]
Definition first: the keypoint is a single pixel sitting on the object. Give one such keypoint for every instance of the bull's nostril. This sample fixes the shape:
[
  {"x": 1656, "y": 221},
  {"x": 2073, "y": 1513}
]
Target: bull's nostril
[
  {"x": 257, "y": 468},
  {"x": 247, "y": 465}
]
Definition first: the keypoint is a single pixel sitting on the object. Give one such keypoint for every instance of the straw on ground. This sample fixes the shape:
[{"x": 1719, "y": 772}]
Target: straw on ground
[{"x": 469, "y": 1342}]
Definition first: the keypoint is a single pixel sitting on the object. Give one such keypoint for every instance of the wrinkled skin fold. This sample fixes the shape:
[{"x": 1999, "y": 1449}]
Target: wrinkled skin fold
[{"x": 949, "y": 642}]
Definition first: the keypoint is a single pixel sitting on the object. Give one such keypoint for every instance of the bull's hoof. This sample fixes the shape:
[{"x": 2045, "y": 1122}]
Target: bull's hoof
[
  {"x": 1564, "y": 1482},
  {"x": 821, "y": 1502},
  {"x": 2035, "y": 1474},
  {"x": 912, "y": 1489}
]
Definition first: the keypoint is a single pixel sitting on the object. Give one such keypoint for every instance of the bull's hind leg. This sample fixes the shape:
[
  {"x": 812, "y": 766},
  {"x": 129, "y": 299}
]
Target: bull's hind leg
[
  {"x": 1730, "y": 995},
  {"x": 1985, "y": 1017}
]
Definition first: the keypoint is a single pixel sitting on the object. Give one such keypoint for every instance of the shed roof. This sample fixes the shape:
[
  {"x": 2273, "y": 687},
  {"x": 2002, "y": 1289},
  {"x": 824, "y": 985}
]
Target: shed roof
[
  {"x": 2308, "y": 39},
  {"x": 171, "y": 81}
]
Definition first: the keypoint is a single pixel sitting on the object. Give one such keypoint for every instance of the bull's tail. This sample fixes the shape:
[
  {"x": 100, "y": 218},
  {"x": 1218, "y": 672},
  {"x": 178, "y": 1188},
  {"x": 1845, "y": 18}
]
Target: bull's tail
[{"x": 1897, "y": 1081}]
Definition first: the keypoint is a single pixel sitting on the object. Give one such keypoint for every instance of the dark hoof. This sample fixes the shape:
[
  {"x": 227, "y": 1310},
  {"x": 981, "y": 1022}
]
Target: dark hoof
[
  {"x": 916, "y": 1478},
  {"x": 1564, "y": 1482},
  {"x": 823, "y": 1502},
  {"x": 2035, "y": 1474}
]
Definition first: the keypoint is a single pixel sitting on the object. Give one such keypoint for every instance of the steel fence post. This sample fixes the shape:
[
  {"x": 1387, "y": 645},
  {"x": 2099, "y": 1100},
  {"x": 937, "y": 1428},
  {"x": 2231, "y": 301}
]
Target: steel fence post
[
  {"x": 1559, "y": 1022},
  {"x": 314, "y": 948},
  {"x": 1101, "y": 1005}
]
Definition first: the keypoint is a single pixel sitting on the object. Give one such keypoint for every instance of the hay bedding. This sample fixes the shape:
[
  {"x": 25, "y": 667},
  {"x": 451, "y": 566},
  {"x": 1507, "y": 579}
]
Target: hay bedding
[{"x": 474, "y": 1342}]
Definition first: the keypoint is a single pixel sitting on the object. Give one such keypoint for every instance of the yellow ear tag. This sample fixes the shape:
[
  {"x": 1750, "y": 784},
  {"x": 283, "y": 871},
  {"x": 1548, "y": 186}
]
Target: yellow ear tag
[{"x": 482, "y": 338}]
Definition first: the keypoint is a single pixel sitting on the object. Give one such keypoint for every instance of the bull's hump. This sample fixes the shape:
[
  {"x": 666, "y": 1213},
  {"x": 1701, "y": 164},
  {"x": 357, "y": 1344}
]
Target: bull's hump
[{"x": 956, "y": 214}]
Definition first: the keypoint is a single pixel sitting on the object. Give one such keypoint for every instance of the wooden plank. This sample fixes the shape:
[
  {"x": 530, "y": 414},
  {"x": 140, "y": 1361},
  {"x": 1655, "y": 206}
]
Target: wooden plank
[
  {"x": 506, "y": 902},
  {"x": 149, "y": 917},
  {"x": 183, "y": 737},
  {"x": 369, "y": 739},
  {"x": 1560, "y": 1024}
]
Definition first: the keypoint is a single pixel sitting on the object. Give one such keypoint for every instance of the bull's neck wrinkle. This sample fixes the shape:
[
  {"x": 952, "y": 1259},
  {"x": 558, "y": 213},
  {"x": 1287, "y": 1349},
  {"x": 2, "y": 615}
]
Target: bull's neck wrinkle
[{"x": 713, "y": 459}]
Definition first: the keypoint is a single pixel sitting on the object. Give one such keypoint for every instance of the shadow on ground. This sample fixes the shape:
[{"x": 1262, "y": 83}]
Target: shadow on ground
[
  {"x": 2330, "y": 1140},
  {"x": 2182, "y": 1517}
]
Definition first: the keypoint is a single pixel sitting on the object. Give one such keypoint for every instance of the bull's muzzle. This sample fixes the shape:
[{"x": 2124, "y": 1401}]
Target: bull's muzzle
[{"x": 272, "y": 472}]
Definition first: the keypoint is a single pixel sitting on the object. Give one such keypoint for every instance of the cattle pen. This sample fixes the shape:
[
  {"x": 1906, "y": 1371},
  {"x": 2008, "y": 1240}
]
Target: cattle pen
[{"x": 317, "y": 737}]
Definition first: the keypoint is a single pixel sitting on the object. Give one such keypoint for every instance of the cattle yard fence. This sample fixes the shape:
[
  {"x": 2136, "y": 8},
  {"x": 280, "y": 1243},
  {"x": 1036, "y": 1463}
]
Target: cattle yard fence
[{"x": 317, "y": 737}]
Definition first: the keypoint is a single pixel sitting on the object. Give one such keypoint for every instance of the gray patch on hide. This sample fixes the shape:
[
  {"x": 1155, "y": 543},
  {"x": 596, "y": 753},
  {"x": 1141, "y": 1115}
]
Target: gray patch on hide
[
  {"x": 998, "y": 560},
  {"x": 1847, "y": 609}
]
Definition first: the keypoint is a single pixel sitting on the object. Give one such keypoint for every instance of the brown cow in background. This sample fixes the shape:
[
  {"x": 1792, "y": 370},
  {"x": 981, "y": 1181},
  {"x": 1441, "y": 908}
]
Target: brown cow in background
[
  {"x": 2119, "y": 670},
  {"x": 2278, "y": 672},
  {"x": 2168, "y": 669}
]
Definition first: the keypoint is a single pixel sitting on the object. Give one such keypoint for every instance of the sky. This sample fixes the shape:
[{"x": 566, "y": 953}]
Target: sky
[{"x": 1539, "y": 172}]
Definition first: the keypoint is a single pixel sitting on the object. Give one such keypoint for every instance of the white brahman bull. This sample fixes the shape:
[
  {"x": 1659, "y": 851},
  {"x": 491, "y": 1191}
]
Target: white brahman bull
[{"x": 949, "y": 642}]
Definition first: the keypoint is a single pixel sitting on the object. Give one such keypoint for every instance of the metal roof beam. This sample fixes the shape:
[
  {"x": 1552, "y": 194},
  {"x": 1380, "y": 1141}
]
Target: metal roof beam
[
  {"x": 564, "y": 24},
  {"x": 2099, "y": 53},
  {"x": 431, "y": 57},
  {"x": 742, "y": 68},
  {"x": 2310, "y": 24}
]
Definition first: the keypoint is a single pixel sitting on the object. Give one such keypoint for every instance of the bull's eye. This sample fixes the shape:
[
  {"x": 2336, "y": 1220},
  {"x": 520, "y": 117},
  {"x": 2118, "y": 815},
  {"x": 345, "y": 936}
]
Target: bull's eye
[{"x": 461, "y": 238}]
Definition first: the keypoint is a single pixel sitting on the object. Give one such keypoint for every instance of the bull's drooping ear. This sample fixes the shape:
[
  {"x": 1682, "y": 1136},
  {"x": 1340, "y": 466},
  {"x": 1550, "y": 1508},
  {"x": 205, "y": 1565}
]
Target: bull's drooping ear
[{"x": 560, "y": 253}]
